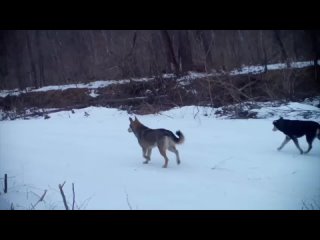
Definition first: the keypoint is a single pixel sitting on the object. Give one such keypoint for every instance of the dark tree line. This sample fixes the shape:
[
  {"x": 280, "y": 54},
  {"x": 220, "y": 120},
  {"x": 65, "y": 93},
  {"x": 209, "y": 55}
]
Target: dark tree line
[{"x": 47, "y": 57}]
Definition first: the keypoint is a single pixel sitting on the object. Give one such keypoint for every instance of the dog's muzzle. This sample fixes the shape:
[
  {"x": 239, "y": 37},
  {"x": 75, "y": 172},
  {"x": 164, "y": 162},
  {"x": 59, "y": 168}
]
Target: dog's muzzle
[
  {"x": 274, "y": 128},
  {"x": 129, "y": 129}
]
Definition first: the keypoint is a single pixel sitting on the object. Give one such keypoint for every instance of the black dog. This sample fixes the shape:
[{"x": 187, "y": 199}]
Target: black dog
[{"x": 293, "y": 129}]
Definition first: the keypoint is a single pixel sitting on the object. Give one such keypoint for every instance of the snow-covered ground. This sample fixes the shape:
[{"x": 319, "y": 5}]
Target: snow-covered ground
[
  {"x": 226, "y": 163},
  {"x": 307, "y": 109},
  {"x": 182, "y": 80}
]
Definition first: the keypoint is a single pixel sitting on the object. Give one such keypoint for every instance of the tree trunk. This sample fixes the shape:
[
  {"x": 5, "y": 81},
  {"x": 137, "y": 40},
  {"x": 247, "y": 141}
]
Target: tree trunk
[
  {"x": 295, "y": 45},
  {"x": 316, "y": 50},
  {"x": 32, "y": 60},
  {"x": 40, "y": 59},
  {"x": 207, "y": 40},
  {"x": 172, "y": 61},
  {"x": 3, "y": 57},
  {"x": 284, "y": 55},
  {"x": 18, "y": 68},
  {"x": 185, "y": 54},
  {"x": 265, "y": 57},
  {"x": 154, "y": 51}
]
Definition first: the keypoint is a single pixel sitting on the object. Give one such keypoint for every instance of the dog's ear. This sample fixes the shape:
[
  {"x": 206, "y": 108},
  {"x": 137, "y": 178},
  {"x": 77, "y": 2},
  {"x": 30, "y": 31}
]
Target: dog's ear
[
  {"x": 135, "y": 118},
  {"x": 130, "y": 119},
  {"x": 281, "y": 118}
]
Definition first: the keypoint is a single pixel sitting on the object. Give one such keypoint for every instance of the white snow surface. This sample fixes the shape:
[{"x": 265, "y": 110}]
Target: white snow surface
[{"x": 225, "y": 163}]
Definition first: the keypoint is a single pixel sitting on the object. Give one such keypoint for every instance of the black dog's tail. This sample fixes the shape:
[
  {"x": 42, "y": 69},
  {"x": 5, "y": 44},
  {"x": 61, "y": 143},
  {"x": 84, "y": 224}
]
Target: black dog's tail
[{"x": 181, "y": 138}]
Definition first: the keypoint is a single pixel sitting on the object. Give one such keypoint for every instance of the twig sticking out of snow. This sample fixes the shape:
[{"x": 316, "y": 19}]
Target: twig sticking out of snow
[
  {"x": 40, "y": 200},
  {"x": 74, "y": 196},
  {"x": 63, "y": 196},
  {"x": 128, "y": 202},
  {"x": 5, "y": 183}
]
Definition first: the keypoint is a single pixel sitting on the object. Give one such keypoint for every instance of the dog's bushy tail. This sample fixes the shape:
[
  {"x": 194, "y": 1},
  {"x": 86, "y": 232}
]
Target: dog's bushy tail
[{"x": 181, "y": 138}]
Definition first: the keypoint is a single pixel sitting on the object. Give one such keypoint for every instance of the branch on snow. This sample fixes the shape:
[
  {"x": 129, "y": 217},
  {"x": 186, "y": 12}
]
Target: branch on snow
[{"x": 40, "y": 200}]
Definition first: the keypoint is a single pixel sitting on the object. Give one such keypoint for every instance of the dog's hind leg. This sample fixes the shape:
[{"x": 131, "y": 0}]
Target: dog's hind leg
[
  {"x": 295, "y": 140},
  {"x": 174, "y": 150},
  {"x": 310, "y": 139},
  {"x": 149, "y": 153},
  {"x": 286, "y": 140},
  {"x": 162, "y": 150}
]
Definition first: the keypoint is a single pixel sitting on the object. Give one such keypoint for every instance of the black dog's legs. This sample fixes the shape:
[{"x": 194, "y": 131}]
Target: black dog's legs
[
  {"x": 295, "y": 140},
  {"x": 310, "y": 139},
  {"x": 286, "y": 140}
]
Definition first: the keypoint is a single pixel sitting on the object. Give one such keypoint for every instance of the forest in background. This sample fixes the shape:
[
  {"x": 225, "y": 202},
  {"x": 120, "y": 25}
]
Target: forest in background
[{"x": 37, "y": 58}]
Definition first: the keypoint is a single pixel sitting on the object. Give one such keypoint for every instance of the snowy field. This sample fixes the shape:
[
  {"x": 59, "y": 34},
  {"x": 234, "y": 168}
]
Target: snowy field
[{"x": 225, "y": 163}]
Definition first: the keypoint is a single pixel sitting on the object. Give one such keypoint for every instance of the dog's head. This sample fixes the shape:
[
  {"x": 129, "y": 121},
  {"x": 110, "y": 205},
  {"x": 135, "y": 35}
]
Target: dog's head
[
  {"x": 134, "y": 124},
  {"x": 277, "y": 124}
]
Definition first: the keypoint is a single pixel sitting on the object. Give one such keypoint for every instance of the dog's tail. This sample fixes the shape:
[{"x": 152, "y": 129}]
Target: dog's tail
[{"x": 181, "y": 138}]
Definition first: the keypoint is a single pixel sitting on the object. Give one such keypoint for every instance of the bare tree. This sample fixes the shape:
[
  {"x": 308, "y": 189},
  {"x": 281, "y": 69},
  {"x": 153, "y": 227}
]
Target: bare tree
[
  {"x": 184, "y": 51},
  {"x": 171, "y": 58},
  {"x": 32, "y": 57},
  {"x": 284, "y": 55},
  {"x": 49, "y": 57},
  {"x": 3, "y": 56},
  {"x": 263, "y": 46},
  {"x": 315, "y": 36},
  {"x": 40, "y": 59},
  {"x": 206, "y": 38},
  {"x": 18, "y": 62}
]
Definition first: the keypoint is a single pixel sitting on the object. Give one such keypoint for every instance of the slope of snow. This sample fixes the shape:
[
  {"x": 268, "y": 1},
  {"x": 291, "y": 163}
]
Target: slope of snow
[
  {"x": 226, "y": 164},
  {"x": 182, "y": 80},
  {"x": 291, "y": 110},
  {"x": 91, "y": 85},
  {"x": 276, "y": 66}
]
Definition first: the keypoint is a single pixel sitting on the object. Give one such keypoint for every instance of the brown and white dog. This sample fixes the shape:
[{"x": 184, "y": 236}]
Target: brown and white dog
[{"x": 149, "y": 138}]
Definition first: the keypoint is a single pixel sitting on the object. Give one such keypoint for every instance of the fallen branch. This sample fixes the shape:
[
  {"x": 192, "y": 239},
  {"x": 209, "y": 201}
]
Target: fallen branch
[
  {"x": 63, "y": 196},
  {"x": 133, "y": 99},
  {"x": 44, "y": 113},
  {"x": 249, "y": 84},
  {"x": 95, "y": 102}
]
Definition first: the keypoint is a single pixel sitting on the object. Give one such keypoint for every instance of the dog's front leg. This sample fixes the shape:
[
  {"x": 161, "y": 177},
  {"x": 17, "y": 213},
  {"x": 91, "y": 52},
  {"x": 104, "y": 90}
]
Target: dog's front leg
[
  {"x": 309, "y": 148},
  {"x": 144, "y": 154},
  {"x": 286, "y": 140}
]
